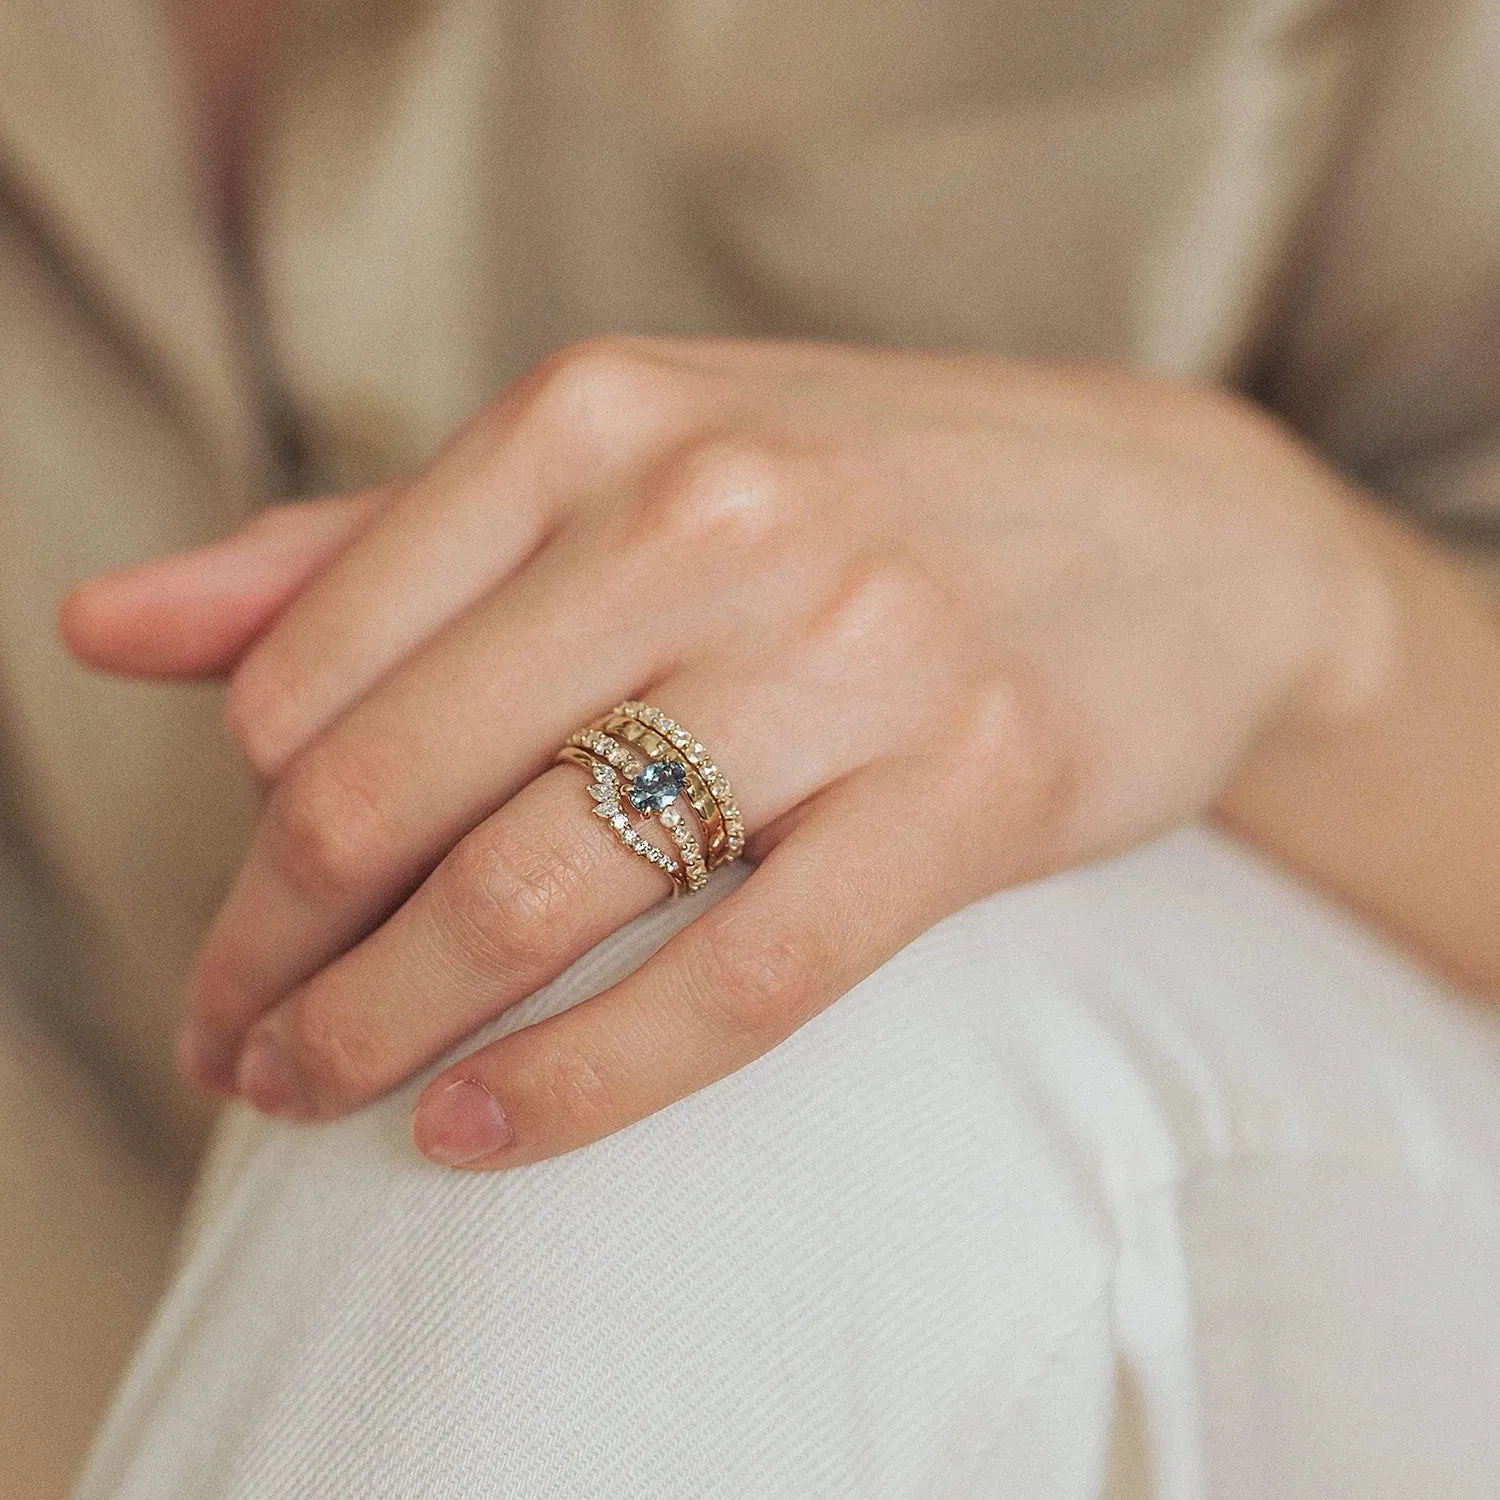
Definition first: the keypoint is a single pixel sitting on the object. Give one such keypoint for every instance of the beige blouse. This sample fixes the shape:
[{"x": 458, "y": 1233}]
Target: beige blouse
[{"x": 1301, "y": 197}]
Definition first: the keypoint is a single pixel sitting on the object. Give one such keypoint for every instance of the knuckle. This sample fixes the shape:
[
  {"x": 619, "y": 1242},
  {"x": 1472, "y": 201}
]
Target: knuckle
[
  {"x": 333, "y": 1053},
  {"x": 591, "y": 386},
  {"x": 758, "y": 977},
  {"x": 890, "y": 599},
  {"x": 324, "y": 822},
  {"x": 257, "y": 706},
  {"x": 728, "y": 494},
  {"x": 1014, "y": 732},
  {"x": 589, "y": 408},
  {"x": 506, "y": 900}
]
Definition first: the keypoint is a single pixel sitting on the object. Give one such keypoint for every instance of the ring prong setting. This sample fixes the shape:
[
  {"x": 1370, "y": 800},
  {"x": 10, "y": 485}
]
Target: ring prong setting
[
  {"x": 627, "y": 796},
  {"x": 658, "y": 786}
]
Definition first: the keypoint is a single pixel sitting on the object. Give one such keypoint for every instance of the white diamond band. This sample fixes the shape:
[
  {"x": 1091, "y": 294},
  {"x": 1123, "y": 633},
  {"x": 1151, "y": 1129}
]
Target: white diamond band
[{"x": 678, "y": 774}]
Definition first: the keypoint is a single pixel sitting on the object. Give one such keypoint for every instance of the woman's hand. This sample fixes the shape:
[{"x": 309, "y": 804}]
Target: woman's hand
[{"x": 947, "y": 625}]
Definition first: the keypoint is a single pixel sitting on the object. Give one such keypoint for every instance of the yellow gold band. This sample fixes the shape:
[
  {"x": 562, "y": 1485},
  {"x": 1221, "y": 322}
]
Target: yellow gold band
[
  {"x": 696, "y": 758},
  {"x": 704, "y": 804},
  {"x": 687, "y": 870},
  {"x": 679, "y": 767}
]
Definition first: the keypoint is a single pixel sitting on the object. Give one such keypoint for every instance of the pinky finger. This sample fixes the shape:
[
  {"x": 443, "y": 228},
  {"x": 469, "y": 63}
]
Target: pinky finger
[
  {"x": 194, "y": 614},
  {"x": 825, "y": 909}
]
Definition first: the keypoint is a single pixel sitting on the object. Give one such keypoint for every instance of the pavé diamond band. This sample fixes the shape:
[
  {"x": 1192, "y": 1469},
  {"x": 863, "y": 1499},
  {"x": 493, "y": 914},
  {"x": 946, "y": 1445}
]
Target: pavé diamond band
[
  {"x": 697, "y": 759},
  {"x": 678, "y": 770},
  {"x": 611, "y": 791}
]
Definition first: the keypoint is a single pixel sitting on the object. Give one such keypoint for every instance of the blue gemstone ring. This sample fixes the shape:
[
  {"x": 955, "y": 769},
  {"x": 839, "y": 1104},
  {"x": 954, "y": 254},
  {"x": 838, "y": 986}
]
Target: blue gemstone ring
[
  {"x": 658, "y": 786},
  {"x": 646, "y": 767}
]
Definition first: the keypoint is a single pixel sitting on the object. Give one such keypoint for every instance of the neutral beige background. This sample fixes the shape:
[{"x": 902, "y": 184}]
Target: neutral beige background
[{"x": 1302, "y": 196}]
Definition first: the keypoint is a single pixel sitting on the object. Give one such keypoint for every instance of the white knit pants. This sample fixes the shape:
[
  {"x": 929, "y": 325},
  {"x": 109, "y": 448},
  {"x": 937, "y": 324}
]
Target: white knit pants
[{"x": 1156, "y": 1179}]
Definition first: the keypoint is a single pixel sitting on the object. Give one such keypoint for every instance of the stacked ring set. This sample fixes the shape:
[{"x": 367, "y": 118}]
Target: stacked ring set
[{"x": 643, "y": 766}]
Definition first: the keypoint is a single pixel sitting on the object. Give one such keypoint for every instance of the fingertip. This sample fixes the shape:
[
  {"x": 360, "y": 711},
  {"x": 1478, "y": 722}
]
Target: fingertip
[
  {"x": 267, "y": 1078},
  {"x": 180, "y": 617},
  {"x": 85, "y": 621},
  {"x": 458, "y": 1122},
  {"x": 127, "y": 622},
  {"x": 204, "y": 1059},
  {"x": 191, "y": 614}
]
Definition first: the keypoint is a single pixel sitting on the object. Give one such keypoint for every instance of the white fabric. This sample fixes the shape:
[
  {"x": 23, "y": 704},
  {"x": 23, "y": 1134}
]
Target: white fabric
[{"x": 1156, "y": 1179}]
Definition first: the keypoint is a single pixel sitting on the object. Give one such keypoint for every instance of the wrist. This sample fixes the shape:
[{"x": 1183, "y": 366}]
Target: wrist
[{"x": 1380, "y": 785}]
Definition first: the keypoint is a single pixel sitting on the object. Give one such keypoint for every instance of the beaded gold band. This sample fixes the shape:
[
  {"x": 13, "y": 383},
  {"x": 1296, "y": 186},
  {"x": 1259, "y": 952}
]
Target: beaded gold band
[
  {"x": 625, "y": 793},
  {"x": 687, "y": 870},
  {"x": 698, "y": 759},
  {"x": 622, "y": 728}
]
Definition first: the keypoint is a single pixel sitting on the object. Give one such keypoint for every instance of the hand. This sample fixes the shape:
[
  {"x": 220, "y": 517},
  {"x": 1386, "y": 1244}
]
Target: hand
[{"x": 947, "y": 624}]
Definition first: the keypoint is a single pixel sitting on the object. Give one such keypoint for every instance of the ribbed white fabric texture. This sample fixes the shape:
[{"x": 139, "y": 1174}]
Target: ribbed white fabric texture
[{"x": 1155, "y": 1179}]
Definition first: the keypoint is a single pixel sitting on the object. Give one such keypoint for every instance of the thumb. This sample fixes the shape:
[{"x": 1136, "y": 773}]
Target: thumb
[{"x": 196, "y": 613}]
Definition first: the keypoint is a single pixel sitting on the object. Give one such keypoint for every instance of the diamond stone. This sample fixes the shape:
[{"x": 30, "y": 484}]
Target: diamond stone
[{"x": 658, "y": 786}]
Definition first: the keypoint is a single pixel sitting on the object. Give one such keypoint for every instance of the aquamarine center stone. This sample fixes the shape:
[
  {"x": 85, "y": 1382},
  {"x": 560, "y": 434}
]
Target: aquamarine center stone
[{"x": 658, "y": 786}]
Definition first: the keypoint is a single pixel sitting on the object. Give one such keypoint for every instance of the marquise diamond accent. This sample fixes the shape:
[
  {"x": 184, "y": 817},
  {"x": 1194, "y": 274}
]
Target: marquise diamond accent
[
  {"x": 605, "y": 789},
  {"x": 676, "y": 776}
]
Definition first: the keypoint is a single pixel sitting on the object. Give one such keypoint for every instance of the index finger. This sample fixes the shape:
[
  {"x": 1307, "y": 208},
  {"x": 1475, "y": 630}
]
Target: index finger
[{"x": 195, "y": 613}]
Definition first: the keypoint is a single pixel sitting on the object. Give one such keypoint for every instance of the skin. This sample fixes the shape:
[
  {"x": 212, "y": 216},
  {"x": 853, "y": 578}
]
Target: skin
[{"x": 948, "y": 625}]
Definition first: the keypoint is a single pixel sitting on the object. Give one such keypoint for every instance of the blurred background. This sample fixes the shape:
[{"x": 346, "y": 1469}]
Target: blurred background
[{"x": 252, "y": 248}]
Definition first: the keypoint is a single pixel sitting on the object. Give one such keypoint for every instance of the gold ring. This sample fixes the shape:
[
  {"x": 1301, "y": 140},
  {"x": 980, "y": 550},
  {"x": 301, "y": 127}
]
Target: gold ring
[
  {"x": 687, "y": 870},
  {"x": 697, "y": 759},
  {"x": 626, "y": 794},
  {"x": 629, "y": 731}
]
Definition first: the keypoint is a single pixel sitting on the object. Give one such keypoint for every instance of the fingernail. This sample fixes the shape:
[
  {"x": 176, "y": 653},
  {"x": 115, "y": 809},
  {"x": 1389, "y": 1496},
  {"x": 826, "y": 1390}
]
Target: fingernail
[
  {"x": 461, "y": 1124},
  {"x": 268, "y": 1080},
  {"x": 204, "y": 1058}
]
